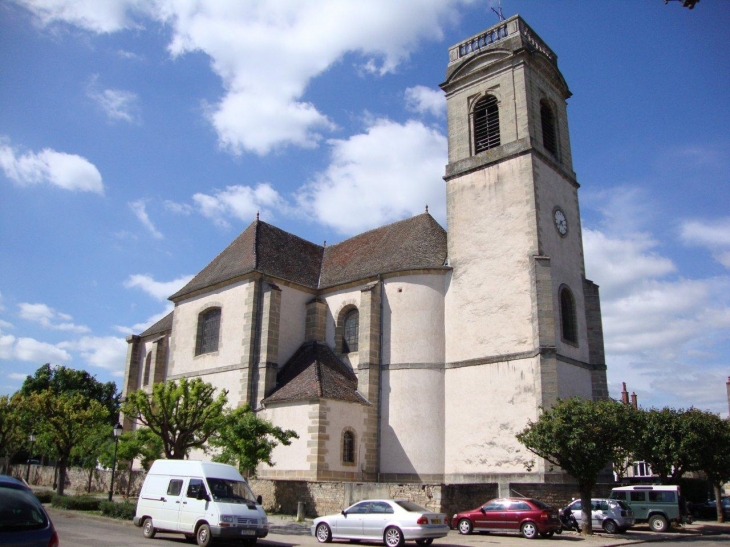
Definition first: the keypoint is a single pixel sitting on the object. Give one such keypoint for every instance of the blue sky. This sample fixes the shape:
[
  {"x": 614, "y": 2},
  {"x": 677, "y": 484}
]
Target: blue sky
[{"x": 138, "y": 138}]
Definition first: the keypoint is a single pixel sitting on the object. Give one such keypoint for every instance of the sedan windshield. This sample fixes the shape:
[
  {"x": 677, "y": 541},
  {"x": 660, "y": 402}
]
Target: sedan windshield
[{"x": 230, "y": 491}]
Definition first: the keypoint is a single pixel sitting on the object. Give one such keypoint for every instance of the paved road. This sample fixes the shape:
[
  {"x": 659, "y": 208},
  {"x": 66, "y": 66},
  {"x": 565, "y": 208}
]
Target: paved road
[{"x": 81, "y": 530}]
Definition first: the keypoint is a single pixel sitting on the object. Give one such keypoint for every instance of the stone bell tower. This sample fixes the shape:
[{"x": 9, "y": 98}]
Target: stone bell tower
[{"x": 523, "y": 324}]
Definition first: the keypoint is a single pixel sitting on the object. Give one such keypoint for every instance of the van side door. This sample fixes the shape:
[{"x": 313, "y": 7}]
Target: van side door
[
  {"x": 192, "y": 508},
  {"x": 637, "y": 501},
  {"x": 169, "y": 507}
]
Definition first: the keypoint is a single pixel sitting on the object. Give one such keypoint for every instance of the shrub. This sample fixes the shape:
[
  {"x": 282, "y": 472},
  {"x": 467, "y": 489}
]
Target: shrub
[
  {"x": 44, "y": 496},
  {"x": 124, "y": 510},
  {"x": 77, "y": 503}
]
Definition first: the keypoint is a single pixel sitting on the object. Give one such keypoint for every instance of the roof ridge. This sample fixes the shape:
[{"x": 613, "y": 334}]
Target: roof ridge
[
  {"x": 409, "y": 219},
  {"x": 300, "y": 238}
]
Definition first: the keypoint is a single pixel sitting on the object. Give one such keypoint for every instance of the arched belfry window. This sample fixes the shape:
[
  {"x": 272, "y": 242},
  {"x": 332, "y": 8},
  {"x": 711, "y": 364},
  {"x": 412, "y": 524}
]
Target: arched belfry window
[
  {"x": 147, "y": 365},
  {"x": 568, "y": 318},
  {"x": 486, "y": 124},
  {"x": 351, "y": 331},
  {"x": 348, "y": 447},
  {"x": 209, "y": 323},
  {"x": 549, "y": 134}
]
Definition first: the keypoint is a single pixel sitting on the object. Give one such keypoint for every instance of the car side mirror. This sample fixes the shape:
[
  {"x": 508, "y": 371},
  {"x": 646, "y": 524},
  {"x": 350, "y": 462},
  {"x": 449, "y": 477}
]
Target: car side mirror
[
  {"x": 202, "y": 495},
  {"x": 259, "y": 499},
  {"x": 482, "y": 509},
  {"x": 344, "y": 513}
]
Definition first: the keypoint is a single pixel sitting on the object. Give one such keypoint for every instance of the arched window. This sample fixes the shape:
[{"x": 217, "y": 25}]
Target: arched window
[
  {"x": 147, "y": 364},
  {"x": 351, "y": 332},
  {"x": 348, "y": 447},
  {"x": 568, "y": 319},
  {"x": 209, "y": 323},
  {"x": 486, "y": 124},
  {"x": 549, "y": 136}
]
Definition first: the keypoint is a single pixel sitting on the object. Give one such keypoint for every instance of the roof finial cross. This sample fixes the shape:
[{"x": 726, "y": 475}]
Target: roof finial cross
[
  {"x": 498, "y": 11},
  {"x": 257, "y": 216},
  {"x": 427, "y": 208}
]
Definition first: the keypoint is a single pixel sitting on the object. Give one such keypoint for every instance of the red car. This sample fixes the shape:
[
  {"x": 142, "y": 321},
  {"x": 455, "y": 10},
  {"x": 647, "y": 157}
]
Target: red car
[{"x": 528, "y": 516}]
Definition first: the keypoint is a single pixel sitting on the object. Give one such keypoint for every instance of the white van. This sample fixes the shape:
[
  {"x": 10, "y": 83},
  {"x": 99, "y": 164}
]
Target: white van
[{"x": 202, "y": 500}]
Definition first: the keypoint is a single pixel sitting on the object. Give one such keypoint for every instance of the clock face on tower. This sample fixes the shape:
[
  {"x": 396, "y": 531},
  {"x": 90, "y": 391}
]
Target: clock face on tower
[{"x": 561, "y": 223}]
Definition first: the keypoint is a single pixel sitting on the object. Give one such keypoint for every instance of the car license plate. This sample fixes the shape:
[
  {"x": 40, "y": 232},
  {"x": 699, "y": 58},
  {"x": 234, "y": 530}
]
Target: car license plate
[
  {"x": 435, "y": 521},
  {"x": 248, "y": 532}
]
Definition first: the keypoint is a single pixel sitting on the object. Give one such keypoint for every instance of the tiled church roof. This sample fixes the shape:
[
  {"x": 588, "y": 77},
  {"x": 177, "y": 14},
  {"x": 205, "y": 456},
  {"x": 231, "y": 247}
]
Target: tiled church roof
[
  {"x": 163, "y": 325},
  {"x": 415, "y": 243},
  {"x": 315, "y": 372}
]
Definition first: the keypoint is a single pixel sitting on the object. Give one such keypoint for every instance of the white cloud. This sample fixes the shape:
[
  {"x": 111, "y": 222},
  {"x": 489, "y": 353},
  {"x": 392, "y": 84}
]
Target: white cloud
[
  {"x": 17, "y": 376},
  {"x": 107, "y": 352},
  {"x": 67, "y": 171},
  {"x": 156, "y": 289},
  {"x": 117, "y": 104},
  {"x": 266, "y": 54},
  {"x": 713, "y": 235},
  {"x": 100, "y": 16},
  {"x": 177, "y": 208},
  {"x": 29, "y": 349},
  {"x": 240, "y": 202},
  {"x": 5, "y": 325},
  {"x": 424, "y": 100},
  {"x": 49, "y": 318},
  {"x": 380, "y": 176},
  {"x": 139, "y": 208}
]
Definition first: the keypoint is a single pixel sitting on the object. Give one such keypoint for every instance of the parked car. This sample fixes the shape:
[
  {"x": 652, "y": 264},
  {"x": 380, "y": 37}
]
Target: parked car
[
  {"x": 391, "y": 521},
  {"x": 614, "y": 516},
  {"x": 708, "y": 510},
  {"x": 528, "y": 516},
  {"x": 659, "y": 505},
  {"x": 23, "y": 521}
]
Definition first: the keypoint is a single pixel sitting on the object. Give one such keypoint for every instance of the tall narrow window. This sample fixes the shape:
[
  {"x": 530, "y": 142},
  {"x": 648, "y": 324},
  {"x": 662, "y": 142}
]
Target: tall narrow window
[
  {"x": 352, "y": 331},
  {"x": 549, "y": 137},
  {"x": 348, "y": 447},
  {"x": 208, "y": 329},
  {"x": 147, "y": 364},
  {"x": 568, "y": 319},
  {"x": 486, "y": 124}
]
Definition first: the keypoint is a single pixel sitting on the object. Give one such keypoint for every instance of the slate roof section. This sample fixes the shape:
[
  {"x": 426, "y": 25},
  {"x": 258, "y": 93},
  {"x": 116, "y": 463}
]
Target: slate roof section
[
  {"x": 315, "y": 372},
  {"x": 416, "y": 243},
  {"x": 264, "y": 248},
  {"x": 412, "y": 244},
  {"x": 163, "y": 325}
]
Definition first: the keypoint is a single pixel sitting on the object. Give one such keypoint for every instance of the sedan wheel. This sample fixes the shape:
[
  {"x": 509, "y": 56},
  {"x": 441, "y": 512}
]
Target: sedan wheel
[
  {"x": 393, "y": 537},
  {"x": 529, "y": 530},
  {"x": 323, "y": 533},
  {"x": 465, "y": 527}
]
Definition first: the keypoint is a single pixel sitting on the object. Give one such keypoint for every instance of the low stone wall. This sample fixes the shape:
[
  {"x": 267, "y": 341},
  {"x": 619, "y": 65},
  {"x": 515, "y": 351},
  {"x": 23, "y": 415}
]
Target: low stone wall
[{"x": 323, "y": 498}]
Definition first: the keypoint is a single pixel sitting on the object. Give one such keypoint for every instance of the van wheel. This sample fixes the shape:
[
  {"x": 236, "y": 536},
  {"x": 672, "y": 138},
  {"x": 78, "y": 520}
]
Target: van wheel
[
  {"x": 658, "y": 523},
  {"x": 148, "y": 530},
  {"x": 610, "y": 526},
  {"x": 203, "y": 535}
]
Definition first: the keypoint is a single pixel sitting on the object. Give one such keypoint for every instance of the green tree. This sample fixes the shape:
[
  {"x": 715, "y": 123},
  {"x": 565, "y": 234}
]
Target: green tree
[
  {"x": 582, "y": 437},
  {"x": 245, "y": 440},
  {"x": 670, "y": 441},
  {"x": 714, "y": 458},
  {"x": 63, "y": 380},
  {"x": 63, "y": 423},
  {"x": 12, "y": 435},
  {"x": 139, "y": 444},
  {"x": 183, "y": 415}
]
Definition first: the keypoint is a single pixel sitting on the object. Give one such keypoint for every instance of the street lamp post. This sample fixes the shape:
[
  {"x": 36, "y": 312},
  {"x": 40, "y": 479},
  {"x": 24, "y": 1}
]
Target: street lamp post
[
  {"x": 118, "y": 429},
  {"x": 31, "y": 438}
]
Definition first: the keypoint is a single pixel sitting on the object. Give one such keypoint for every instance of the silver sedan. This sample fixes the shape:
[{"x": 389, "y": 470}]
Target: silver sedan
[{"x": 391, "y": 521}]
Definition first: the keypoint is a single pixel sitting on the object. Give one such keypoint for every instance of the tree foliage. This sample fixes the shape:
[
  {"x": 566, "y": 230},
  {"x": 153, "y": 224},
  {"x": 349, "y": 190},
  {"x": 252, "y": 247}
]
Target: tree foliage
[
  {"x": 182, "y": 414},
  {"x": 64, "y": 423},
  {"x": 670, "y": 441},
  {"x": 245, "y": 440},
  {"x": 12, "y": 435},
  {"x": 582, "y": 437},
  {"x": 64, "y": 380}
]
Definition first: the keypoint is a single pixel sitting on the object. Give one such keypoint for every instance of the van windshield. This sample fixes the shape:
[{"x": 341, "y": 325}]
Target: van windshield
[{"x": 230, "y": 491}]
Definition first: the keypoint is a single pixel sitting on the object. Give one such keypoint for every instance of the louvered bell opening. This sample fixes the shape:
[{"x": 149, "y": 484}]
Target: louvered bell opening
[
  {"x": 548, "y": 129},
  {"x": 486, "y": 124}
]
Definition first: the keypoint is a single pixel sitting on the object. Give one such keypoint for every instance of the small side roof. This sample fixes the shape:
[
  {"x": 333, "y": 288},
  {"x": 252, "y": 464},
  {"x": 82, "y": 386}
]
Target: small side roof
[{"x": 163, "y": 325}]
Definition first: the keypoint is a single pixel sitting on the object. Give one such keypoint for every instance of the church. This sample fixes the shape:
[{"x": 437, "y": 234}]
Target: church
[{"x": 410, "y": 353}]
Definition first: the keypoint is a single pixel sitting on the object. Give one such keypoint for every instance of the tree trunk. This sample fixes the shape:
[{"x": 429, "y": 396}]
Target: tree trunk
[
  {"x": 61, "y": 477},
  {"x": 91, "y": 475},
  {"x": 129, "y": 480},
  {"x": 586, "y": 525},
  {"x": 718, "y": 502}
]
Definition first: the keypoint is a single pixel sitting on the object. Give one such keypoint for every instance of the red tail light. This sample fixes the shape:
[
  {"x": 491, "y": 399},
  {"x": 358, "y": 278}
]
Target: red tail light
[
  {"x": 54, "y": 540},
  {"x": 544, "y": 515},
  {"x": 422, "y": 520}
]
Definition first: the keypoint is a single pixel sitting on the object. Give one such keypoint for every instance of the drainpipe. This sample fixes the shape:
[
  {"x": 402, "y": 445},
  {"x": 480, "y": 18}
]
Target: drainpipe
[
  {"x": 256, "y": 345},
  {"x": 380, "y": 374}
]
